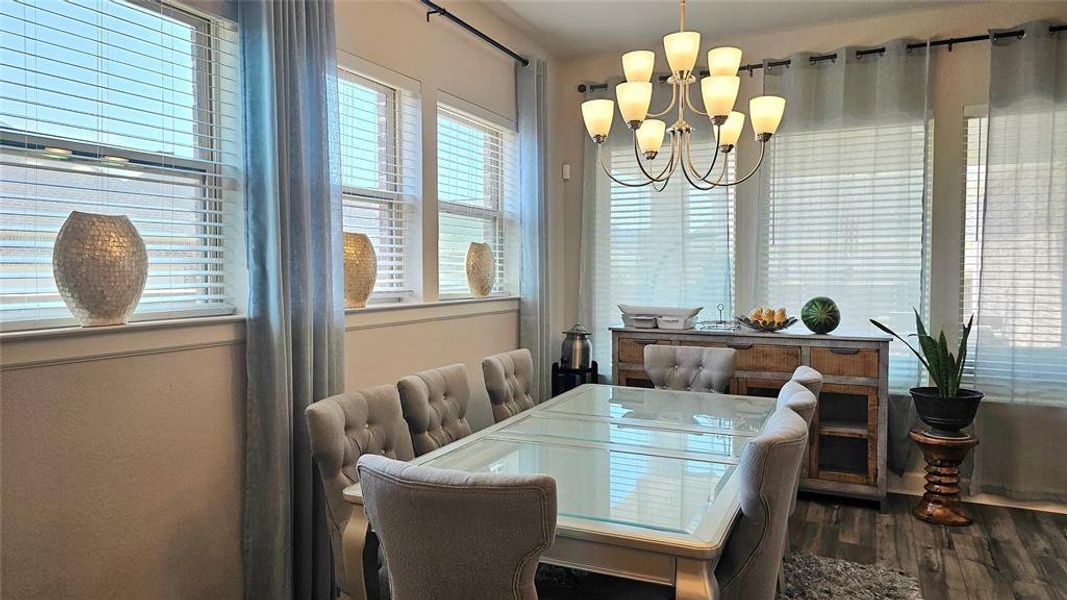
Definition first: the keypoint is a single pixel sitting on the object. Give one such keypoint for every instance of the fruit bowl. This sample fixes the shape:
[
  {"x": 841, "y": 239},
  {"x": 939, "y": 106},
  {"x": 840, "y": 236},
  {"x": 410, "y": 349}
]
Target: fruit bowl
[{"x": 766, "y": 326}]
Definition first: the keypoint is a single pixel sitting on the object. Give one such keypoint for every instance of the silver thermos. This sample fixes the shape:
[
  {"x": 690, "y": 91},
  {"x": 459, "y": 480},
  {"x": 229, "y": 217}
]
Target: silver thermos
[{"x": 577, "y": 351}]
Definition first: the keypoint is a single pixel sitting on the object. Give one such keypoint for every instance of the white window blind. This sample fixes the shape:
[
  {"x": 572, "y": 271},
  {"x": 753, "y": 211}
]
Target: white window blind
[
  {"x": 974, "y": 140},
  {"x": 846, "y": 217},
  {"x": 1014, "y": 263},
  {"x": 379, "y": 166},
  {"x": 119, "y": 108},
  {"x": 669, "y": 248},
  {"x": 477, "y": 181}
]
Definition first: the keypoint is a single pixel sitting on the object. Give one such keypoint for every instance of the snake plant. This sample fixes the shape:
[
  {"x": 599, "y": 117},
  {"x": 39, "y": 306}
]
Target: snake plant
[{"x": 946, "y": 369}]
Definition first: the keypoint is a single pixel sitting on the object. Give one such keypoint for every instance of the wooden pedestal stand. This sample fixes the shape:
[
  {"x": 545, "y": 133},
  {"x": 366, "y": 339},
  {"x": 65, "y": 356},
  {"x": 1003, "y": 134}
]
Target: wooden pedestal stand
[{"x": 941, "y": 503}]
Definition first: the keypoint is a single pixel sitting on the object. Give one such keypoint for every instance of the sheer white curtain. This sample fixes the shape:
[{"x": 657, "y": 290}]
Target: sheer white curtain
[
  {"x": 639, "y": 246},
  {"x": 1020, "y": 339},
  {"x": 844, "y": 200},
  {"x": 844, "y": 203}
]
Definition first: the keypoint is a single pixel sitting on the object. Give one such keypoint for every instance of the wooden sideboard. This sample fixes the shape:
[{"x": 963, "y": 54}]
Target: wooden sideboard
[{"x": 847, "y": 441}]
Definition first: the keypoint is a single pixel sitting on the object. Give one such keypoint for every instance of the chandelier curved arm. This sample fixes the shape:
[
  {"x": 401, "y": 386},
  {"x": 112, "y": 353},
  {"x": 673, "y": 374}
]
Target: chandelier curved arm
[
  {"x": 641, "y": 165},
  {"x": 714, "y": 158},
  {"x": 725, "y": 164},
  {"x": 715, "y": 184},
  {"x": 650, "y": 181},
  {"x": 674, "y": 97},
  {"x": 689, "y": 103},
  {"x": 692, "y": 181}
]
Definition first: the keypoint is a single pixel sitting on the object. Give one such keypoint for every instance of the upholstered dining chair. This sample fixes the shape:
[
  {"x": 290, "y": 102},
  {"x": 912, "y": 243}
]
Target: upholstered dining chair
[
  {"x": 435, "y": 406},
  {"x": 809, "y": 378},
  {"x": 454, "y": 535},
  {"x": 509, "y": 381},
  {"x": 690, "y": 367},
  {"x": 341, "y": 429},
  {"x": 751, "y": 559}
]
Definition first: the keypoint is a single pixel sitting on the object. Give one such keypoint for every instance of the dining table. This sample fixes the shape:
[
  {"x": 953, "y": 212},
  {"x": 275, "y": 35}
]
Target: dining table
[{"x": 645, "y": 478}]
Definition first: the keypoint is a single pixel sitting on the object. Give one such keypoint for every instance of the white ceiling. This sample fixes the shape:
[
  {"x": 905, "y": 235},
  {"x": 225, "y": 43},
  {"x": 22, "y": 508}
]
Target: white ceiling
[{"x": 572, "y": 28}]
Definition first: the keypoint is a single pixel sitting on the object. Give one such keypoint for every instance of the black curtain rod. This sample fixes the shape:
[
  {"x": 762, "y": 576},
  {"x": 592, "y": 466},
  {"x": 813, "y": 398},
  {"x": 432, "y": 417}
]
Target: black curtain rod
[
  {"x": 950, "y": 42},
  {"x": 436, "y": 9}
]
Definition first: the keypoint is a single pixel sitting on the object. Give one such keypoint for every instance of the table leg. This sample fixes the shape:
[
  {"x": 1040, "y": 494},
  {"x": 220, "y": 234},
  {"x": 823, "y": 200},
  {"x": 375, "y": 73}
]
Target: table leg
[
  {"x": 694, "y": 580},
  {"x": 353, "y": 544}
]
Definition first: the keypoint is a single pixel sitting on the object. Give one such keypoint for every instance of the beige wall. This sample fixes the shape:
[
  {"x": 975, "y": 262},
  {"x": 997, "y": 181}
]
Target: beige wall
[
  {"x": 121, "y": 464},
  {"x": 122, "y": 450}
]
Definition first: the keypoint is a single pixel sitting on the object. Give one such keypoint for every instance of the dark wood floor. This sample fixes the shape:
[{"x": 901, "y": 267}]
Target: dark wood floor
[{"x": 1006, "y": 553}]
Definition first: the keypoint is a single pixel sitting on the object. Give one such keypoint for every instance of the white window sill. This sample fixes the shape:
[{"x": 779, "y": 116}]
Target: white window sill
[
  {"x": 386, "y": 315},
  {"x": 42, "y": 347}
]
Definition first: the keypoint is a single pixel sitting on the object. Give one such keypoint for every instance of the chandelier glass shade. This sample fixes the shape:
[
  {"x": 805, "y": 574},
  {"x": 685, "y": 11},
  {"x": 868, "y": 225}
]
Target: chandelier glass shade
[{"x": 718, "y": 91}]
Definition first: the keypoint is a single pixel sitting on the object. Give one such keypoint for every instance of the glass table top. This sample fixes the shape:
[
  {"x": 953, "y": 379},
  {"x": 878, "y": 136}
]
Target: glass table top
[
  {"x": 604, "y": 483},
  {"x": 653, "y": 459},
  {"x": 700, "y": 445},
  {"x": 723, "y": 413}
]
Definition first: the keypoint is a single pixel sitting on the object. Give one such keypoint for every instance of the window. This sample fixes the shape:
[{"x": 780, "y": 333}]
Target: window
[
  {"x": 669, "y": 248},
  {"x": 1014, "y": 263},
  {"x": 120, "y": 108},
  {"x": 477, "y": 182},
  {"x": 379, "y": 167},
  {"x": 846, "y": 217}
]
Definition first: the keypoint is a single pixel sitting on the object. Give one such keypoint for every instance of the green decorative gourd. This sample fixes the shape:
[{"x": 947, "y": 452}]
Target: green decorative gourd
[{"x": 821, "y": 315}]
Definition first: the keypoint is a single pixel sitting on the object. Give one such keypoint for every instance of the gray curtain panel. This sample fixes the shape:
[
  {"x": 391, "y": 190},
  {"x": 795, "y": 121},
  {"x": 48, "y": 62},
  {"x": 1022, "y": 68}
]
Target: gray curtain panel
[
  {"x": 1019, "y": 354},
  {"x": 881, "y": 97},
  {"x": 295, "y": 325},
  {"x": 530, "y": 100}
]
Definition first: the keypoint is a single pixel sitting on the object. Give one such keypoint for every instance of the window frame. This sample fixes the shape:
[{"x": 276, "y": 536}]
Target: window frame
[
  {"x": 503, "y": 135},
  {"x": 207, "y": 166},
  {"x": 392, "y": 203}
]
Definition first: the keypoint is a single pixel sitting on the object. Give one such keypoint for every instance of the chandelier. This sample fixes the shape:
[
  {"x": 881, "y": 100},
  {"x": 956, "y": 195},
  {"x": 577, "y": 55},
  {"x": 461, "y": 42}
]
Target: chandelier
[{"x": 719, "y": 92}]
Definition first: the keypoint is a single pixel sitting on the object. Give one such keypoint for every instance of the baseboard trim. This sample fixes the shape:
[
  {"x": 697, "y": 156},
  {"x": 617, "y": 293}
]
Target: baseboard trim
[{"x": 912, "y": 482}]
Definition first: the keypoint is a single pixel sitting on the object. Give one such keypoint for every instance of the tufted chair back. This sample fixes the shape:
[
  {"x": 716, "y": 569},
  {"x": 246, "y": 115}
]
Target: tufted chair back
[
  {"x": 509, "y": 381},
  {"x": 435, "y": 406},
  {"x": 809, "y": 378},
  {"x": 342, "y": 428},
  {"x": 799, "y": 399},
  {"x": 453, "y": 535},
  {"x": 751, "y": 558},
  {"x": 690, "y": 368}
]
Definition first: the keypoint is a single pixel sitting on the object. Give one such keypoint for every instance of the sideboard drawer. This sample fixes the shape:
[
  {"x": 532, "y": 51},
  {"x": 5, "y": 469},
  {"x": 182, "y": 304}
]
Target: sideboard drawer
[
  {"x": 767, "y": 357},
  {"x": 772, "y": 358},
  {"x": 632, "y": 350},
  {"x": 853, "y": 362}
]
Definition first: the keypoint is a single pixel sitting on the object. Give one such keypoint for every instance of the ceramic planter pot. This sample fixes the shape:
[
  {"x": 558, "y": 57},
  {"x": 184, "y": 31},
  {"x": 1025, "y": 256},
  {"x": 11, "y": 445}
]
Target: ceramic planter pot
[
  {"x": 945, "y": 417},
  {"x": 100, "y": 266},
  {"x": 481, "y": 269},
  {"x": 361, "y": 269}
]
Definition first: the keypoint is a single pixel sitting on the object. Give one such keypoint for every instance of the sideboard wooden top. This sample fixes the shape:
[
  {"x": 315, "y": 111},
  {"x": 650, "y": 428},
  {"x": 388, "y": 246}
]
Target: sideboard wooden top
[{"x": 755, "y": 334}]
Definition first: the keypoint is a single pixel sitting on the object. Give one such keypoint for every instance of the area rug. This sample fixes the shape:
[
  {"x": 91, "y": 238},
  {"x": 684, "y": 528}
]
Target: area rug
[
  {"x": 808, "y": 577},
  {"x": 811, "y": 577}
]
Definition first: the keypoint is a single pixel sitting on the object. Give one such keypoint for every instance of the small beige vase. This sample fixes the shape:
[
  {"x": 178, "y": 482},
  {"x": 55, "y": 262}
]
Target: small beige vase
[
  {"x": 100, "y": 265},
  {"x": 481, "y": 269},
  {"x": 361, "y": 269}
]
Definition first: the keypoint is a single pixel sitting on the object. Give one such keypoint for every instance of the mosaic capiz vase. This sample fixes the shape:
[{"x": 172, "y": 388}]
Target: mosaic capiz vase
[
  {"x": 100, "y": 266},
  {"x": 361, "y": 269},
  {"x": 481, "y": 269}
]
